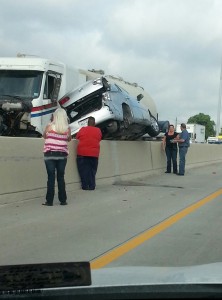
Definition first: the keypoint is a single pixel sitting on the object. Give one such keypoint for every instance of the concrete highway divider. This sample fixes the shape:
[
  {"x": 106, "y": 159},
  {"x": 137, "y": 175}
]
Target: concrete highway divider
[{"x": 23, "y": 170}]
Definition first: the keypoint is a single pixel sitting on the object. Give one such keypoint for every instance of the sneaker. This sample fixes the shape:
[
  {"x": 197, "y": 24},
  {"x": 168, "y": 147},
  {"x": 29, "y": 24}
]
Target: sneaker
[
  {"x": 47, "y": 204},
  {"x": 85, "y": 188}
]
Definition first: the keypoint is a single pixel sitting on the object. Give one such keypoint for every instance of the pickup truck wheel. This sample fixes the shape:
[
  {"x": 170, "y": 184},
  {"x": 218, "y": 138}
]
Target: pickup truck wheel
[{"x": 154, "y": 129}]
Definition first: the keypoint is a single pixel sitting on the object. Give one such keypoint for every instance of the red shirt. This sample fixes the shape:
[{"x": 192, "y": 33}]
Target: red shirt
[{"x": 89, "y": 141}]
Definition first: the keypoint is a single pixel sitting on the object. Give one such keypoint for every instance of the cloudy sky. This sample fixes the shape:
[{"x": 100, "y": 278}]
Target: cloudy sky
[{"x": 173, "y": 48}]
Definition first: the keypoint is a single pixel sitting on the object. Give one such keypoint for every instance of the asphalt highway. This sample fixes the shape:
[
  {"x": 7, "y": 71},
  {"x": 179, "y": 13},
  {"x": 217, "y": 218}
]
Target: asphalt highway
[{"x": 157, "y": 221}]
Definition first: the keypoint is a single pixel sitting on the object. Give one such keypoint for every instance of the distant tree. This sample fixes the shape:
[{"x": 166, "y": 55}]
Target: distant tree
[{"x": 205, "y": 120}]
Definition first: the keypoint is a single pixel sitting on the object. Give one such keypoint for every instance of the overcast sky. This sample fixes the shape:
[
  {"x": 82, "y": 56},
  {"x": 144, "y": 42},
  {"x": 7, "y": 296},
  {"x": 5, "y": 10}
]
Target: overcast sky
[{"x": 173, "y": 48}]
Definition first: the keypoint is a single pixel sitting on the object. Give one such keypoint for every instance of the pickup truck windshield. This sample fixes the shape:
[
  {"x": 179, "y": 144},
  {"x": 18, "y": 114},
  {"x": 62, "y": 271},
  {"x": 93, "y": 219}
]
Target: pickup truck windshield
[{"x": 23, "y": 84}]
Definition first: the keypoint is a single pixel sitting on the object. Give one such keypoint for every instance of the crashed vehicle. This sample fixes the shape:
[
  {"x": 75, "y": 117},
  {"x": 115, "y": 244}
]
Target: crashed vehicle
[
  {"x": 31, "y": 86},
  {"x": 29, "y": 91},
  {"x": 119, "y": 114}
]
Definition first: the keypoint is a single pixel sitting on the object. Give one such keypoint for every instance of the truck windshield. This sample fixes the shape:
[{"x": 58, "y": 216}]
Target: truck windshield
[{"x": 23, "y": 84}]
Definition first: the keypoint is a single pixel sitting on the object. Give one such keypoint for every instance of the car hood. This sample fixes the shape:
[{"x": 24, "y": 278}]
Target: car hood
[
  {"x": 202, "y": 281},
  {"x": 207, "y": 273},
  {"x": 86, "y": 90}
]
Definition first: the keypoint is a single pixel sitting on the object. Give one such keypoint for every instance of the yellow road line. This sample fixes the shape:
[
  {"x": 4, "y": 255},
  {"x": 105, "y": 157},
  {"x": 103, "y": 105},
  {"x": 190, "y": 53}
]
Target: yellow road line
[{"x": 141, "y": 238}]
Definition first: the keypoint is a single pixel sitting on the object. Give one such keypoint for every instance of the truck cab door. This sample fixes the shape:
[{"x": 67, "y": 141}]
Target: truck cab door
[
  {"x": 50, "y": 97},
  {"x": 52, "y": 86}
]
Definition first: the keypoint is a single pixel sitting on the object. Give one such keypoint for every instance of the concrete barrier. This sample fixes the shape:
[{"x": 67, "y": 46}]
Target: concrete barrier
[{"x": 22, "y": 165}]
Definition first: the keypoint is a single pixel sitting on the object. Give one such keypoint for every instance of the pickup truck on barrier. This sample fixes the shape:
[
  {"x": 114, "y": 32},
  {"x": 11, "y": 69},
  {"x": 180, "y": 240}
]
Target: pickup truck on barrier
[
  {"x": 118, "y": 114},
  {"x": 31, "y": 87}
]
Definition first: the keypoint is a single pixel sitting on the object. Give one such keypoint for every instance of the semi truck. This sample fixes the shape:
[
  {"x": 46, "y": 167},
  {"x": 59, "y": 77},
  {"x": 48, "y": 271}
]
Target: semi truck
[
  {"x": 196, "y": 132},
  {"x": 30, "y": 89}
]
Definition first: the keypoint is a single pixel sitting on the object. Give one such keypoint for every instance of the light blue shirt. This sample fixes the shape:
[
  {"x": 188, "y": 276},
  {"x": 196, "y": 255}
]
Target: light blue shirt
[{"x": 184, "y": 135}]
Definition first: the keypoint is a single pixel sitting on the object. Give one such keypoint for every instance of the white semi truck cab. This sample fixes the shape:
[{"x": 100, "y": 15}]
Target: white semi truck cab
[{"x": 29, "y": 90}]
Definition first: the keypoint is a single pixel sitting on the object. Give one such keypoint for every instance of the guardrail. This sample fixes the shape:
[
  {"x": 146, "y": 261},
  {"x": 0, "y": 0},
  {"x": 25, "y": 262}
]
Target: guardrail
[{"x": 23, "y": 170}]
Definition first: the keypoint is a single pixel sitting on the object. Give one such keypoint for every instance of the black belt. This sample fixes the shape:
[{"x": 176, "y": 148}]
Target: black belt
[{"x": 55, "y": 153}]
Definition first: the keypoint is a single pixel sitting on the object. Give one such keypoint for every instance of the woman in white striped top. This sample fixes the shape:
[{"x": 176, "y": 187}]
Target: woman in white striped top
[{"x": 57, "y": 135}]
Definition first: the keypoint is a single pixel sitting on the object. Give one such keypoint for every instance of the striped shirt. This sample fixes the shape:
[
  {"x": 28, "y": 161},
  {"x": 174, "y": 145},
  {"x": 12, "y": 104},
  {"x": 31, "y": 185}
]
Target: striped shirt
[{"x": 55, "y": 142}]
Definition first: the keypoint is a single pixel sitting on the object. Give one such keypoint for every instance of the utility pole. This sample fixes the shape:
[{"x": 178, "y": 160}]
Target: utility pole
[{"x": 219, "y": 104}]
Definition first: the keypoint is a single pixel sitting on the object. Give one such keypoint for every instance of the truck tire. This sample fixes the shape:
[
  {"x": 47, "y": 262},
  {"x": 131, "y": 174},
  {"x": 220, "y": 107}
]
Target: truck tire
[{"x": 164, "y": 126}]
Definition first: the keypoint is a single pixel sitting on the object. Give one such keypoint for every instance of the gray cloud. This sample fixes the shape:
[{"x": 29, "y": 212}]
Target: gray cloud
[{"x": 172, "y": 48}]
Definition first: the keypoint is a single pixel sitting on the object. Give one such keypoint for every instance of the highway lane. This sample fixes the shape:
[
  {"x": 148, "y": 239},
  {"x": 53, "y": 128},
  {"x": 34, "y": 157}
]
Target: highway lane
[
  {"x": 94, "y": 223},
  {"x": 148, "y": 234}
]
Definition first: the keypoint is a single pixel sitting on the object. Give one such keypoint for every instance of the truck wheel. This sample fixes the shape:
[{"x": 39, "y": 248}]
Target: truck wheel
[
  {"x": 164, "y": 126},
  {"x": 154, "y": 129}
]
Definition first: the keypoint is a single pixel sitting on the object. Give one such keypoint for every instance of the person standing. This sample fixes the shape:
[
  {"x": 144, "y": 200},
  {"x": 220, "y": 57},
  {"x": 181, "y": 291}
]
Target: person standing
[
  {"x": 183, "y": 140},
  {"x": 88, "y": 150},
  {"x": 57, "y": 134},
  {"x": 170, "y": 149}
]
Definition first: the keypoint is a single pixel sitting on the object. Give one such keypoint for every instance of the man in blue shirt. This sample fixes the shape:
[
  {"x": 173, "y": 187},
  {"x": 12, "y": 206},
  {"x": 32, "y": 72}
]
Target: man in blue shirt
[{"x": 183, "y": 141}]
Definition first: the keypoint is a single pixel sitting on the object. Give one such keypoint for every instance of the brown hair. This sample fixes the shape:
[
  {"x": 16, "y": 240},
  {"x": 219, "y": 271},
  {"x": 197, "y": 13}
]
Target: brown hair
[{"x": 91, "y": 121}]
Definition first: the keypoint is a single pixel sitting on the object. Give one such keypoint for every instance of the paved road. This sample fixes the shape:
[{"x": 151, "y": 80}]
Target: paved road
[{"x": 152, "y": 220}]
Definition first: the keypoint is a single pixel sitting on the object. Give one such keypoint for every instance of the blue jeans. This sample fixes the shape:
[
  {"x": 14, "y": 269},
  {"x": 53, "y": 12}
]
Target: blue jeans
[
  {"x": 56, "y": 166},
  {"x": 171, "y": 154},
  {"x": 182, "y": 155},
  {"x": 87, "y": 167}
]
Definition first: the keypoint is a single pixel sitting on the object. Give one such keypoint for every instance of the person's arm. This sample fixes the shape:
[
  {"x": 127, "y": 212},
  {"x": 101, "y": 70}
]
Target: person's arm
[
  {"x": 101, "y": 135},
  {"x": 178, "y": 139},
  {"x": 78, "y": 133},
  {"x": 69, "y": 135},
  {"x": 48, "y": 128},
  {"x": 164, "y": 143},
  {"x": 77, "y": 136}
]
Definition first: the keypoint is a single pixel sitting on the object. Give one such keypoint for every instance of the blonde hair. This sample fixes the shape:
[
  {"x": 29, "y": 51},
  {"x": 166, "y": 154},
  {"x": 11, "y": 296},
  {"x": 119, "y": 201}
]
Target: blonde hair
[{"x": 60, "y": 121}]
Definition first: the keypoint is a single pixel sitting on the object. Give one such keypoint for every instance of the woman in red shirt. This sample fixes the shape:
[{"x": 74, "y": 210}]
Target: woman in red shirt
[{"x": 88, "y": 150}]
